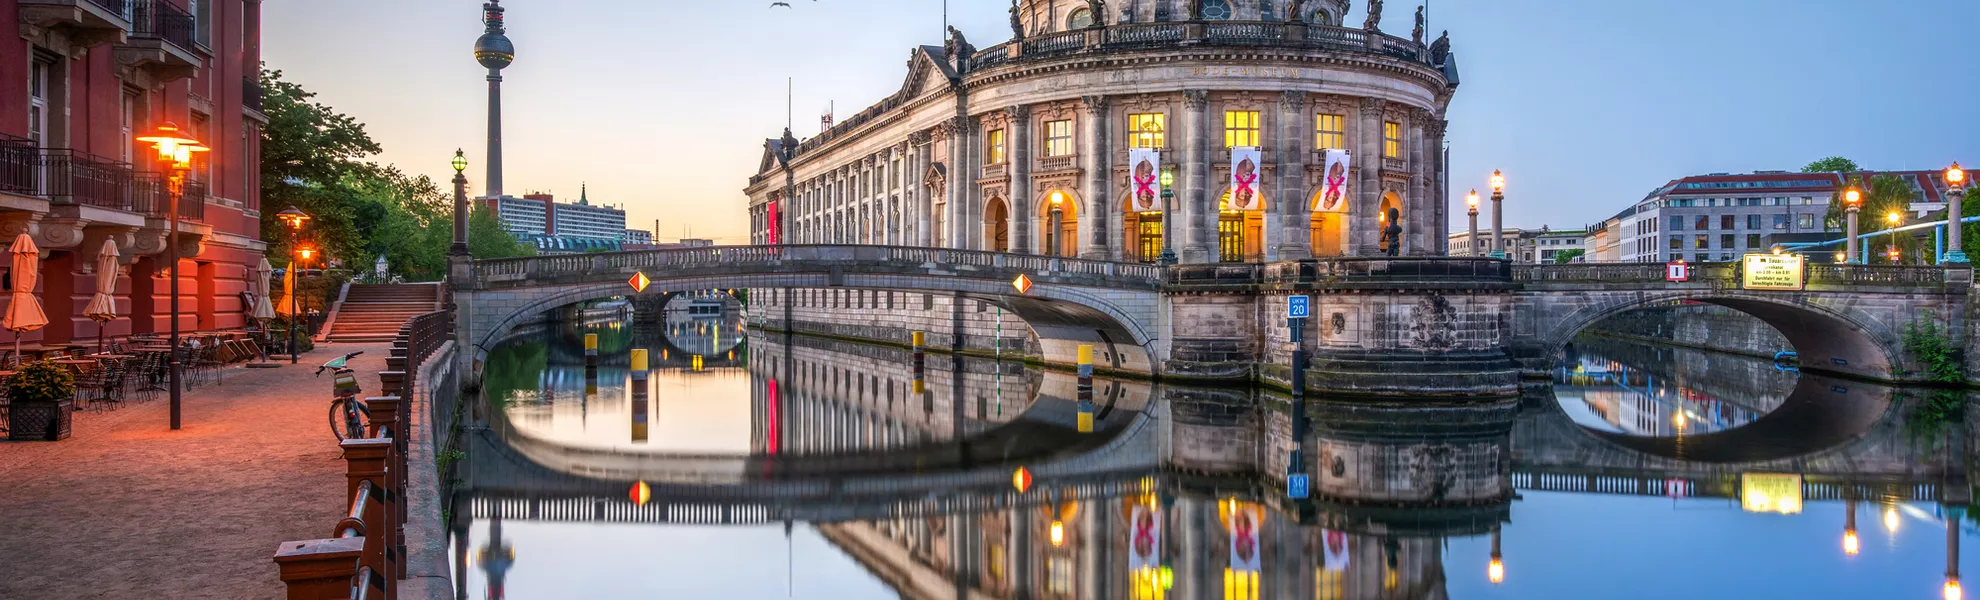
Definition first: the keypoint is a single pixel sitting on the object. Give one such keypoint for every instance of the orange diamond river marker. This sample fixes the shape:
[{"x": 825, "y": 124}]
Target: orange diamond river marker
[
  {"x": 639, "y": 282},
  {"x": 1022, "y": 283}
]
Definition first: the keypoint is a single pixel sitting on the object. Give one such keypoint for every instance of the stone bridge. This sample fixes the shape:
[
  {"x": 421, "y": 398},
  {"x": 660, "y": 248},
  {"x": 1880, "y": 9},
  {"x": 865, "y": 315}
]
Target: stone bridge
[
  {"x": 1849, "y": 319},
  {"x": 1410, "y": 327}
]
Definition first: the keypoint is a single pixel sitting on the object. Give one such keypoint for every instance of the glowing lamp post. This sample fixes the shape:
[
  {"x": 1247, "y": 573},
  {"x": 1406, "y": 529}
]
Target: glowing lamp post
[
  {"x": 1498, "y": 213},
  {"x": 1955, "y": 200},
  {"x": 1894, "y": 219},
  {"x": 1852, "y": 204},
  {"x": 175, "y": 152},
  {"x": 294, "y": 218},
  {"x": 1471, "y": 208},
  {"x": 460, "y": 246}
]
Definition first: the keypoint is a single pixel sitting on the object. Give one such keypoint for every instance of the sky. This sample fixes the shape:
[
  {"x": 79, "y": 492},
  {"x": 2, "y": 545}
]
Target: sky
[{"x": 662, "y": 106}]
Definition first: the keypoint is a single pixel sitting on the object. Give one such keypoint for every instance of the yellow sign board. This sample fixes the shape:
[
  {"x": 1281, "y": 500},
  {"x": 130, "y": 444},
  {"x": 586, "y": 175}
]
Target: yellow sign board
[
  {"x": 1769, "y": 492},
  {"x": 1772, "y": 272}
]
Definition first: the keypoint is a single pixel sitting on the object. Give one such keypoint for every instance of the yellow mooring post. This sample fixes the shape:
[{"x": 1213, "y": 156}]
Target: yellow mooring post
[{"x": 1085, "y": 388}]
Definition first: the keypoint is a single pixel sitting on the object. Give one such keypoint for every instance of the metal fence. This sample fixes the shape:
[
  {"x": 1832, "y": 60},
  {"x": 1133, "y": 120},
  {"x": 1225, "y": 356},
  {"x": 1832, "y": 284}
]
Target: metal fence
[{"x": 161, "y": 20}]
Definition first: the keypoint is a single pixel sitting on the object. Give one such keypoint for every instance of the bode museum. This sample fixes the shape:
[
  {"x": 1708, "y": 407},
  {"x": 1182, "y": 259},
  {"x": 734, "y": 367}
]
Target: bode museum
[{"x": 1196, "y": 131}]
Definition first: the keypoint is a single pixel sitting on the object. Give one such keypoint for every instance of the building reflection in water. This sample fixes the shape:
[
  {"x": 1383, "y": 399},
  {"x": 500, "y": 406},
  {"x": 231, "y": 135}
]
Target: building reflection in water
[{"x": 1200, "y": 510}]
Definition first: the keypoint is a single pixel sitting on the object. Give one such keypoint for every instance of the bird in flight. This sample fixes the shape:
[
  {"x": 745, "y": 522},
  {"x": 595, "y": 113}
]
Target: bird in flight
[{"x": 777, "y": 4}]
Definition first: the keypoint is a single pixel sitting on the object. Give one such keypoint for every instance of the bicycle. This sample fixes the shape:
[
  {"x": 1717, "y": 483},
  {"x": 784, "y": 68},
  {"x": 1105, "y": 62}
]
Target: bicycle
[{"x": 344, "y": 404}]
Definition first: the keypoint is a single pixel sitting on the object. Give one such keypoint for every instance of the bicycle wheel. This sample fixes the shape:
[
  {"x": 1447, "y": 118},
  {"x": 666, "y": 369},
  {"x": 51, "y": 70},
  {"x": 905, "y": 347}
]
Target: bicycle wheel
[
  {"x": 336, "y": 415},
  {"x": 354, "y": 426}
]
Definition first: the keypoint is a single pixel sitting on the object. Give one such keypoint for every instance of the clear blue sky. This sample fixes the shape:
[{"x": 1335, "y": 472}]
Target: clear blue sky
[{"x": 663, "y": 105}]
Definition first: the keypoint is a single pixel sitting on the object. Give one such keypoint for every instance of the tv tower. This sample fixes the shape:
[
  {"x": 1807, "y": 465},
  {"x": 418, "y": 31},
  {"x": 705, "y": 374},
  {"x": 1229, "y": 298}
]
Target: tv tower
[{"x": 494, "y": 51}]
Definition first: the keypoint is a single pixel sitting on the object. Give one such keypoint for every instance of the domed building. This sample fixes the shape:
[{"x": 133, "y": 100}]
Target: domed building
[{"x": 1217, "y": 130}]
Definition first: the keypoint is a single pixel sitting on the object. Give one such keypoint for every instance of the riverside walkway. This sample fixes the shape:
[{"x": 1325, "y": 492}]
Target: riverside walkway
[{"x": 127, "y": 508}]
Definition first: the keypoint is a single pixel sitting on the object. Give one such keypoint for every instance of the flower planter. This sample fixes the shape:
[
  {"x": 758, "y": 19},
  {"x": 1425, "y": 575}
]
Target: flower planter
[{"x": 40, "y": 421}]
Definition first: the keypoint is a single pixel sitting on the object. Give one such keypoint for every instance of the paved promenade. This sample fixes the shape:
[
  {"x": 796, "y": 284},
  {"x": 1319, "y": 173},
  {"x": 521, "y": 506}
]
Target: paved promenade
[{"x": 127, "y": 508}]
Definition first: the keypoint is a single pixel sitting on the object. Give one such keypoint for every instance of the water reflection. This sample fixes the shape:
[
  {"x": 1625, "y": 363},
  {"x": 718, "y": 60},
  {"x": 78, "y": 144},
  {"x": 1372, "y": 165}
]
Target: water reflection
[
  {"x": 1642, "y": 390},
  {"x": 829, "y": 470}
]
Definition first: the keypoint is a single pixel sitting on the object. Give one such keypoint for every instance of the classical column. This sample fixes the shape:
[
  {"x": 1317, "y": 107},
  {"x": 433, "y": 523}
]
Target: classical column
[
  {"x": 970, "y": 170},
  {"x": 1417, "y": 218},
  {"x": 1440, "y": 187},
  {"x": 957, "y": 184},
  {"x": 924, "y": 203},
  {"x": 1097, "y": 218},
  {"x": 1195, "y": 175},
  {"x": 1018, "y": 153},
  {"x": 1293, "y": 209},
  {"x": 1365, "y": 228}
]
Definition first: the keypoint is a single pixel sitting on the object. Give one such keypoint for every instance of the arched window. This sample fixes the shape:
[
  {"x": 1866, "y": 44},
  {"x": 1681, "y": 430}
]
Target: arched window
[
  {"x": 1080, "y": 18},
  {"x": 1216, "y": 10},
  {"x": 1319, "y": 17}
]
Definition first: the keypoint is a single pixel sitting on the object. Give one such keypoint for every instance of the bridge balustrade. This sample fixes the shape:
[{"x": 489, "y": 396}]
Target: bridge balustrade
[{"x": 549, "y": 267}]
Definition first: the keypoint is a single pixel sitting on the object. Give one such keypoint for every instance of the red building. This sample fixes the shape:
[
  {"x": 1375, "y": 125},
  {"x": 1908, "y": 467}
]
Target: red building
[{"x": 81, "y": 80}]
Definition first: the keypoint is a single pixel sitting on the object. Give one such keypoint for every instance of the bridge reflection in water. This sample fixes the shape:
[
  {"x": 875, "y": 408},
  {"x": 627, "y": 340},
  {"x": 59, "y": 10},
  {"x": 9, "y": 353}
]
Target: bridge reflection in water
[{"x": 1178, "y": 492}]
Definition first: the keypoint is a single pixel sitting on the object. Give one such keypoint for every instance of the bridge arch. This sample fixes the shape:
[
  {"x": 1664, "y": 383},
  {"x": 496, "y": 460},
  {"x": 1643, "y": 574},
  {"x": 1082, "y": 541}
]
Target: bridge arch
[{"x": 1828, "y": 335}]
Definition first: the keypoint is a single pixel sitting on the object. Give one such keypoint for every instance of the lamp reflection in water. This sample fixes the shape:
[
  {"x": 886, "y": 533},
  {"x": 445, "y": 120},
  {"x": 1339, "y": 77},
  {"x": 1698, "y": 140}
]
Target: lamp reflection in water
[
  {"x": 1496, "y": 570},
  {"x": 1850, "y": 544},
  {"x": 1890, "y": 519},
  {"x": 496, "y": 558}
]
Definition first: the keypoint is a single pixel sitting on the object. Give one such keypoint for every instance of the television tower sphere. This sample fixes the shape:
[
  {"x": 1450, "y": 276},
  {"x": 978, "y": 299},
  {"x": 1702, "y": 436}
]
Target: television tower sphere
[{"x": 493, "y": 50}]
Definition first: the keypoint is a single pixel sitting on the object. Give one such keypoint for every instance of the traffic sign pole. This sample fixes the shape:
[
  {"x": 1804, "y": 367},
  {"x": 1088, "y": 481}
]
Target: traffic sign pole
[{"x": 1298, "y": 309}]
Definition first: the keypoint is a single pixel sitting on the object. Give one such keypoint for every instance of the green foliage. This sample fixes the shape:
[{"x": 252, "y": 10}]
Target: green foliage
[
  {"x": 487, "y": 238},
  {"x": 1883, "y": 195},
  {"x": 1944, "y": 363},
  {"x": 315, "y": 158},
  {"x": 1833, "y": 164},
  {"x": 512, "y": 369},
  {"x": 41, "y": 381},
  {"x": 1567, "y": 256}
]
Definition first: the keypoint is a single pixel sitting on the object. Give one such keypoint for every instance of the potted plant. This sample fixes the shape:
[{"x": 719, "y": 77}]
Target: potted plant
[{"x": 43, "y": 398}]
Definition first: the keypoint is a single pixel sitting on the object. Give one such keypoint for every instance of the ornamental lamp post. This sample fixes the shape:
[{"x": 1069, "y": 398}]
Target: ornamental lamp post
[
  {"x": 1498, "y": 214},
  {"x": 1955, "y": 206},
  {"x": 1058, "y": 213},
  {"x": 1894, "y": 219},
  {"x": 1852, "y": 204},
  {"x": 1471, "y": 208},
  {"x": 460, "y": 247},
  {"x": 294, "y": 218},
  {"x": 1168, "y": 256},
  {"x": 302, "y": 304},
  {"x": 175, "y": 152}
]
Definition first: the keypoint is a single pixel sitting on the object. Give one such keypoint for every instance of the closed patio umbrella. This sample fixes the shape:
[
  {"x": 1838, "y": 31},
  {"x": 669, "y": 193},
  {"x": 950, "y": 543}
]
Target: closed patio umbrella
[
  {"x": 263, "y": 310},
  {"x": 103, "y": 306},
  {"x": 24, "y": 312}
]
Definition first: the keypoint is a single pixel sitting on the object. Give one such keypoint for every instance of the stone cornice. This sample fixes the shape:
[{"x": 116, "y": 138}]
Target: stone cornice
[{"x": 1257, "y": 56}]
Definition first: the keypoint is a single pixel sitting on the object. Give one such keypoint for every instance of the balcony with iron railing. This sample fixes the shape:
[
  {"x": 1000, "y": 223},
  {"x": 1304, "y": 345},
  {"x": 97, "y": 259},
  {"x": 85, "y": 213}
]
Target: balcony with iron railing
[
  {"x": 251, "y": 93},
  {"x": 20, "y": 162},
  {"x": 151, "y": 197},
  {"x": 163, "y": 39},
  {"x": 68, "y": 176},
  {"x": 97, "y": 21}
]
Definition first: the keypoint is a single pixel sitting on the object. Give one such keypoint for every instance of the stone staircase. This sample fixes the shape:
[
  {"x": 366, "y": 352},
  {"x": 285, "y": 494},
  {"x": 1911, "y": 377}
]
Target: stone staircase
[{"x": 373, "y": 313}]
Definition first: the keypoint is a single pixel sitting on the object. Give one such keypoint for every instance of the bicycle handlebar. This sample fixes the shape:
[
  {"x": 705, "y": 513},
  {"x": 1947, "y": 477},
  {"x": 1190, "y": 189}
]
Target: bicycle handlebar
[{"x": 337, "y": 364}]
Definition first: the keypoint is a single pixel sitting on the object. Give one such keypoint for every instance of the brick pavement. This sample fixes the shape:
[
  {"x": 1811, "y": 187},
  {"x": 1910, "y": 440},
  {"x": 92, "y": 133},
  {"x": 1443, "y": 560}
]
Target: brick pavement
[{"x": 127, "y": 508}]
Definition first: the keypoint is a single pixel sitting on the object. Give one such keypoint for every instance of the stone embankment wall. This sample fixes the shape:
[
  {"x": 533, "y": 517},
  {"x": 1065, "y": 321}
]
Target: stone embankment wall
[{"x": 1700, "y": 326}]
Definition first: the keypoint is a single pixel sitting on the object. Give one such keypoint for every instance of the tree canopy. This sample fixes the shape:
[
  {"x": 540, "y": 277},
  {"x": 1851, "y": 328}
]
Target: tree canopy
[
  {"x": 1883, "y": 196},
  {"x": 318, "y": 160},
  {"x": 1833, "y": 164}
]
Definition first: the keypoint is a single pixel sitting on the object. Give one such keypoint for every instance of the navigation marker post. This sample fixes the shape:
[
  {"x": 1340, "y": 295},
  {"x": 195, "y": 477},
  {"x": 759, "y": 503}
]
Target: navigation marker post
[
  {"x": 1085, "y": 388},
  {"x": 1298, "y": 309}
]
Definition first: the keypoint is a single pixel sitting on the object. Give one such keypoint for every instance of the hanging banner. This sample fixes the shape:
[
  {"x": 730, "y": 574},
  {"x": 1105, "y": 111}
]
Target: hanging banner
[
  {"x": 776, "y": 234},
  {"x": 1334, "y": 186},
  {"x": 1334, "y": 550},
  {"x": 1145, "y": 179},
  {"x": 1145, "y": 543},
  {"x": 1247, "y": 168},
  {"x": 1244, "y": 526}
]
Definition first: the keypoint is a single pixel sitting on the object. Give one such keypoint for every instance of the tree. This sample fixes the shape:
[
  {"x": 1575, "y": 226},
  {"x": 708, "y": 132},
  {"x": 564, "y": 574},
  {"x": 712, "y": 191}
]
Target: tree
[
  {"x": 1567, "y": 256},
  {"x": 1833, "y": 164},
  {"x": 488, "y": 239},
  {"x": 1883, "y": 196}
]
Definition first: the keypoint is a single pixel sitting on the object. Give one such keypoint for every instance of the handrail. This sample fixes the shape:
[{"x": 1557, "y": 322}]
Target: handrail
[
  {"x": 353, "y": 523},
  {"x": 365, "y": 554}
]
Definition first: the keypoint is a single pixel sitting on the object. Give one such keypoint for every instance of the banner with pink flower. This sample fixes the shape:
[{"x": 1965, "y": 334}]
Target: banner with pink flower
[
  {"x": 1145, "y": 179},
  {"x": 1247, "y": 170}
]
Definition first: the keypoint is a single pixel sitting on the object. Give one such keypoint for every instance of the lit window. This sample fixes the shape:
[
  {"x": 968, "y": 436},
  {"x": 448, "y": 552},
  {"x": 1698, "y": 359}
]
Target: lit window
[
  {"x": 1391, "y": 139},
  {"x": 995, "y": 141},
  {"x": 1241, "y": 129},
  {"x": 1058, "y": 138},
  {"x": 1240, "y": 585},
  {"x": 1147, "y": 130},
  {"x": 1059, "y": 577},
  {"x": 1330, "y": 132}
]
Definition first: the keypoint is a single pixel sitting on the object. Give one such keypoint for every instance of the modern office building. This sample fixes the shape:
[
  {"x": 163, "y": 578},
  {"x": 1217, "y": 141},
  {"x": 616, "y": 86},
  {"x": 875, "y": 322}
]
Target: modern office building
[
  {"x": 639, "y": 236},
  {"x": 1026, "y": 145},
  {"x": 79, "y": 82},
  {"x": 540, "y": 215}
]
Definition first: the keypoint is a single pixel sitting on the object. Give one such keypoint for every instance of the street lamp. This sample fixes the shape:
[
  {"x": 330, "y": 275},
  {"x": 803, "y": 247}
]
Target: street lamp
[
  {"x": 294, "y": 218},
  {"x": 1498, "y": 213},
  {"x": 1058, "y": 213},
  {"x": 302, "y": 304},
  {"x": 175, "y": 152},
  {"x": 1168, "y": 256},
  {"x": 1471, "y": 208},
  {"x": 460, "y": 247},
  {"x": 1955, "y": 205},
  {"x": 1894, "y": 219},
  {"x": 1852, "y": 204}
]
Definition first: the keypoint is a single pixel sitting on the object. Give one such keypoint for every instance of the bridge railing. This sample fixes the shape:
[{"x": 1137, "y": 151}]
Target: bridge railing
[
  {"x": 1727, "y": 273},
  {"x": 542, "y": 267},
  {"x": 1884, "y": 275}
]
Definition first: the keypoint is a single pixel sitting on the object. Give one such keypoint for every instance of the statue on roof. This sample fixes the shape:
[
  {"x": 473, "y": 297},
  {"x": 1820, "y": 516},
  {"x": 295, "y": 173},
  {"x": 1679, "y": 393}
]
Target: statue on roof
[
  {"x": 1374, "y": 22},
  {"x": 1017, "y": 22},
  {"x": 1296, "y": 15},
  {"x": 1195, "y": 10},
  {"x": 1099, "y": 10},
  {"x": 958, "y": 47},
  {"x": 1417, "y": 34},
  {"x": 1441, "y": 48},
  {"x": 790, "y": 144}
]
